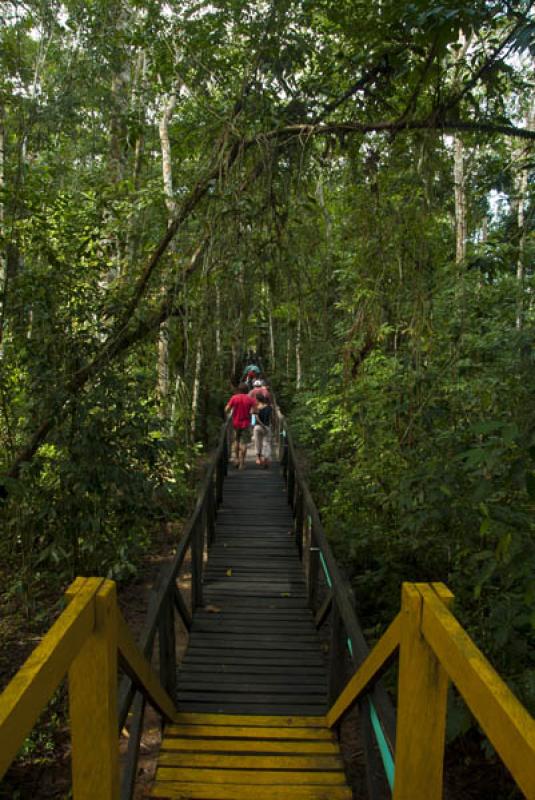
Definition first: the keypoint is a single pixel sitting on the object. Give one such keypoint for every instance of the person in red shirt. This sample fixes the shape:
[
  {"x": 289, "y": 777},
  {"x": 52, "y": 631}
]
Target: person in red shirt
[{"x": 241, "y": 406}]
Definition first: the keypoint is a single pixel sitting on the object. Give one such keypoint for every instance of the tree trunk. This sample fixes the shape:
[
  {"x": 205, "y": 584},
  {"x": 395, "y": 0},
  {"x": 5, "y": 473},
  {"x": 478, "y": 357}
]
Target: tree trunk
[
  {"x": 167, "y": 167},
  {"x": 3, "y": 258},
  {"x": 458, "y": 164},
  {"x": 218, "y": 325},
  {"x": 298, "y": 374},
  {"x": 271, "y": 338},
  {"x": 167, "y": 176},
  {"x": 460, "y": 201},
  {"x": 196, "y": 389},
  {"x": 522, "y": 190}
]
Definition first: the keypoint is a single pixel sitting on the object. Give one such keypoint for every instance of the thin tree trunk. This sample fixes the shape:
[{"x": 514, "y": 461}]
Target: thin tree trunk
[
  {"x": 271, "y": 339},
  {"x": 179, "y": 385},
  {"x": 458, "y": 165},
  {"x": 484, "y": 229},
  {"x": 196, "y": 389},
  {"x": 522, "y": 190},
  {"x": 167, "y": 167},
  {"x": 167, "y": 176},
  {"x": 3, "y": 257},
  {"x": 298, "y": 373},
  {"x": 218, "y": 324},
  {"x": 460, "y": 200},
  {"x": 234, "y": 360}
]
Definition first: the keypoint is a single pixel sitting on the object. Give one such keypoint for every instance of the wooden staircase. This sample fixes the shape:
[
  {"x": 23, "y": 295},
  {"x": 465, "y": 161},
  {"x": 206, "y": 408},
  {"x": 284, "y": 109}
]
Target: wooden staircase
[{"x": 232, "y": 757}]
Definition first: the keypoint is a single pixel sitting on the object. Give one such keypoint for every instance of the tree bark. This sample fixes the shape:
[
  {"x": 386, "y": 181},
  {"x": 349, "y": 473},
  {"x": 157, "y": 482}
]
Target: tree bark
[
  {"x": 298, "y": 368},
  {"x": 3, "y": 256},
  {"x": 460, "y": 201},
  {"x": 167, "y": 177},
  {"x": 522, "y": 190},
  {"x": 196, "y": 389},
  {"x": 218, "y": 324}
]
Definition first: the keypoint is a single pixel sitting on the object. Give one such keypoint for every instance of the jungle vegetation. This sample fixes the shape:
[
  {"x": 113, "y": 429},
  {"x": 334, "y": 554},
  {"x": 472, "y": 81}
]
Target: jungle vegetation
[{"x": 345, "y": 186}]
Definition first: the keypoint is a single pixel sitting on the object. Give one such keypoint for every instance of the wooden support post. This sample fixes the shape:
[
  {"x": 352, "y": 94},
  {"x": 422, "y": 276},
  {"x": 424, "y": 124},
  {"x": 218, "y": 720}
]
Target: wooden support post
[
  {"x": 129, "y": 772},
  {"x": 197, "y": 548},
  {"x": 227, "y": 444},
  {"x": 167, "y": 644},
  {"x": 290, "y": 482},
  {"x": 182, "y": 609},
  {"x": 422, "y": 700},
  {"x": 93, "y": 705},
  {"x": 219, "y": 476},
  {"x": 210, "y": 516},
  {"x": 298, "y": 523},
  {"x": 283, "y": 452},
  {"x": 337, "y": 649},
  {"x": 313, "y": 569}
]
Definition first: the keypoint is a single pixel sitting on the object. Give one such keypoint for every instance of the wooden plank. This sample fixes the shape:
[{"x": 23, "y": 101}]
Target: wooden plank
[
  {"x": 248, "y": 761},
  {"x": 323, "y": 611},
  {"x": 293, "y": 672},
  {"x": 141, "y": 672},
  {"x": 380, "y": 655},
  {"x": 202, "y": 680},
  {"x": 246, "y": 643},
  {"x": 207, "y": 791},
  {"x": 274, "y": 777},
  {"x": 225, "y": 626},
  {"x": 264, "y": 720},
  {"x": 252, "y": 658},
  {"x": 504, "y": 720},
  {"x": 238, "y": 709},
  {"x": 228, "y": 745},
  {"x": 220, "y": 656},
  {"x": 276, "y": 696},
  {"x": 24, "y": 698},
  {"x": 250, "y": 732},
  {"x": 270, "y": 615}
]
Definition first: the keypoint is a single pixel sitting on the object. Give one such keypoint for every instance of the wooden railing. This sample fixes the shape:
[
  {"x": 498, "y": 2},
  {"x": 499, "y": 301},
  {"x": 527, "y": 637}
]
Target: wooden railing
[
  {"x": 90, "y": 640},
  {"x": 330, "y": 598},
  {"x": 433, "y": 649}
]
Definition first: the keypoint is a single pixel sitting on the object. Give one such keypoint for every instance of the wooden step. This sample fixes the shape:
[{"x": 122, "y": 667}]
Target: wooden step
[{"x": 250, "y": 757}]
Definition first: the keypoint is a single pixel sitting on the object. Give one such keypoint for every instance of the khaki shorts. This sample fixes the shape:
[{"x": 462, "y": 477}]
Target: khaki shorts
[{"x": 242, "y": 436}]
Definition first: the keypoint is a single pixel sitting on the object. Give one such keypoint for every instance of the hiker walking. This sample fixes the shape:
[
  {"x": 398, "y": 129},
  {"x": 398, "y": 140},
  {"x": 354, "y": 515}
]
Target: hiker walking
[
  {"x": 262, "y": 431},
  {"x": 241, "y": 406}
]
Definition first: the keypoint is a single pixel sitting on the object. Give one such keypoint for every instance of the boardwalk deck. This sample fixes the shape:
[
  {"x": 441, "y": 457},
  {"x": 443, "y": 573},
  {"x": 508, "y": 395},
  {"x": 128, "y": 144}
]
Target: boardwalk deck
[
  {"x": 253, "y": 648},
  {"x": 252, "y": 687}
]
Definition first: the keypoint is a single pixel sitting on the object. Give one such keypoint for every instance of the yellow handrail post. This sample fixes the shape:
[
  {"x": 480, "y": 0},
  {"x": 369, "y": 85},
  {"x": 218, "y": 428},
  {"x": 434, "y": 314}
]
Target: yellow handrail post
[
  {"x": 422, "y": 701},
  {"x": 93, "y": 704}
]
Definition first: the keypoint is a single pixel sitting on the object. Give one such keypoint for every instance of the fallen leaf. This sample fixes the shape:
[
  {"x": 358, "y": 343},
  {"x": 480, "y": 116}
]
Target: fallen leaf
[{"x": 229, "y": 572}]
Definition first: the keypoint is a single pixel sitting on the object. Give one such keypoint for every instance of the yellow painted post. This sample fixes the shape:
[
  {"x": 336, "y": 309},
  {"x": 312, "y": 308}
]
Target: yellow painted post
[
  {"x": 421, "y": 714},
  {"x": 93, "y": 705}
]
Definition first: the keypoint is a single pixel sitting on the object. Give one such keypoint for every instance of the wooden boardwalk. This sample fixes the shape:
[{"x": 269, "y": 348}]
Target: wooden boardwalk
[
  {"x": 252, "y": 688},
  {"x": 253, "y": 648}
]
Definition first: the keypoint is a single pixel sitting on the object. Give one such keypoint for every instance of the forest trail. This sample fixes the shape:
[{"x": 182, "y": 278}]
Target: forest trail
[
  {"x": 253, "y": 683},
  {"x": 257, "y": 651}
]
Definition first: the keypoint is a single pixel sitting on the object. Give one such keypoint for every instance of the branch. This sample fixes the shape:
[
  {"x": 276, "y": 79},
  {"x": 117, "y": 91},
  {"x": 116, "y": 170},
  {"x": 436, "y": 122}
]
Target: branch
[{"x": 433, "y": 122}]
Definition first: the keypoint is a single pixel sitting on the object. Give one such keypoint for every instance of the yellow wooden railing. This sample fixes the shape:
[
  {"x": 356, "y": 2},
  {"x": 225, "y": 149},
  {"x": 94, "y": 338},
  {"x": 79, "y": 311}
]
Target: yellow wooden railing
[
  {"x": 433, "y": 649},
  {"x": 85, "y": 644}
]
